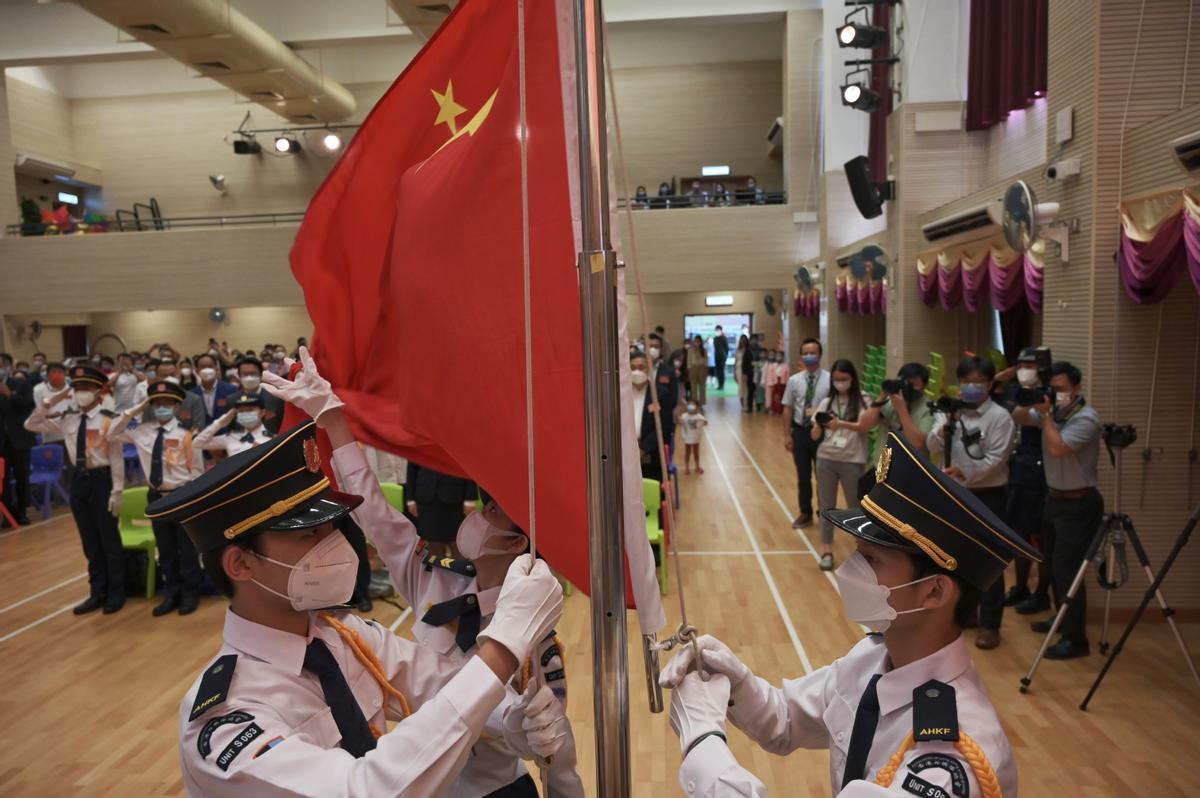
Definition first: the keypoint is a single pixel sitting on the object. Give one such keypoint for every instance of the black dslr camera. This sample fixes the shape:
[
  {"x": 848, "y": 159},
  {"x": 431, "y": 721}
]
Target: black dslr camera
[
  {"x": 822, "y": 417},
  {"x": 948, "y": 404},
  {"x": 1118, "y": 436},
  {"x": 1028, "y": 397},
  {"x": 892, "y": 386}
]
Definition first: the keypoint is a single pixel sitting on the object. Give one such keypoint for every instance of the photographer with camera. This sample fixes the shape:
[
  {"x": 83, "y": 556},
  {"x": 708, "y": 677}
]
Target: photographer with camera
[
  {"x": 975, "y": 436},
  {"x": 1074, "y": 507},
  {"x": 902, "y": 407}
]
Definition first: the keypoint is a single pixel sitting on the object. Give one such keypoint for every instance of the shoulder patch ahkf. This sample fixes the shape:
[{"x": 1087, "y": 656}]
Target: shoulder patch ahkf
[
  {"x": 214, "y": 687},
  {"x": 204, "y": 741},
  {"x": 958, "y": 774},
  {"x": 935, "y": 712}
]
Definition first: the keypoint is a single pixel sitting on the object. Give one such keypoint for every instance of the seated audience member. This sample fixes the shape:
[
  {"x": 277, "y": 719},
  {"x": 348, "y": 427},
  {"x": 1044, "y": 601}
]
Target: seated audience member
[
  {"x": 697, "y": 197},
  {"x": 663, "y": 200},
  {"x": 750, "y": 194},
  {"x": 640, "y": 199},
  {"x": 215, "y": 393},
  {"x": 720, "y": 196}
]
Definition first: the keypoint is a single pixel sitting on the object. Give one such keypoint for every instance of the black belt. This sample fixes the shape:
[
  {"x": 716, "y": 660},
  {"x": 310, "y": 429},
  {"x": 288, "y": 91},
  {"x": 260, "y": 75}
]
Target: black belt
[
  {"x": 1077, "y": 493},
  {"x": 984, "y": 491},
  {"x": 87, "y": 472}
]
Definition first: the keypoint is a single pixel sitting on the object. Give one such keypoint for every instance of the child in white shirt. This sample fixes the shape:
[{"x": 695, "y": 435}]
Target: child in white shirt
[{"x": 691, "y": 422}]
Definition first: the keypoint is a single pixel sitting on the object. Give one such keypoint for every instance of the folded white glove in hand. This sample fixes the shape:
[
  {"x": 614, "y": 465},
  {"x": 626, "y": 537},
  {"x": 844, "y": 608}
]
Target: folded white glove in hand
[
  {"x": 698, "y": 707},
  {"x": 310, "y": 392},
  {"x": 529, "y": 605}
]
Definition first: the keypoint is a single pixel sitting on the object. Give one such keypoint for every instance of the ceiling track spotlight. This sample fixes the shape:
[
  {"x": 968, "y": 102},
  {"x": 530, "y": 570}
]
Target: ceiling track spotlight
[
  {"x": 287, "y": 143},
  {"x": 862, "y": 35},
  {"x": 858, "y": 93},
  {"x": 331, "y": 141}
]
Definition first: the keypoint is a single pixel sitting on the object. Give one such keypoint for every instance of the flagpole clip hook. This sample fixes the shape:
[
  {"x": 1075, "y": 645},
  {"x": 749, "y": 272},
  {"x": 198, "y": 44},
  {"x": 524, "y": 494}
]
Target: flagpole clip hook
[{"x": 686, "y": 635}]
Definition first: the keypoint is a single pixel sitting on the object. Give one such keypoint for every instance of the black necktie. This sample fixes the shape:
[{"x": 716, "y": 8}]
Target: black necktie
[
  {"x": 466, "y": 609},
  {"x": 156, "y": 468},
  {"x": 81, "y": 444},
  {"x": 247, "y": 438},
  {"x": 347, "y": 714},
  {"x": 865, "y": 721}
]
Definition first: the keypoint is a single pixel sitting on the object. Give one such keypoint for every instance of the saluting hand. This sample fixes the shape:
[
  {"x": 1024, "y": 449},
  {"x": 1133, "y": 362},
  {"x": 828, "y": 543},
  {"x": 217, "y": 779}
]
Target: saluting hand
[{"x": 310, "y": 392}]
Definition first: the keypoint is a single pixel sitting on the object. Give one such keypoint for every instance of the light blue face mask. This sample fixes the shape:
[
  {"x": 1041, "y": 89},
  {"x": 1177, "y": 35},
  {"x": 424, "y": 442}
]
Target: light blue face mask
[
  {"x": 972, "y": 393},
  {"x": 164, "y": 413},
  {"x": 810, "y": 360},
  {"x": 247, "y": 420}
]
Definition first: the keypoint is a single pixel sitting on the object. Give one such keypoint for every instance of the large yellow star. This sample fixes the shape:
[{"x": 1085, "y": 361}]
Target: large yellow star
[{"x": 448, "y": 110}]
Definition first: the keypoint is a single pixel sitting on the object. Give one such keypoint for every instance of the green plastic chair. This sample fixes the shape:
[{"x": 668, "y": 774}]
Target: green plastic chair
[
  {"x": 652, "y": 499},
  {"x": 136, "y": 532},
  {"x": 394, "y": 494}
]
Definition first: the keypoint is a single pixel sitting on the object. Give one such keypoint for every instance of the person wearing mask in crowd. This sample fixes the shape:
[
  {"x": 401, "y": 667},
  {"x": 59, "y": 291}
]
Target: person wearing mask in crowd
[
  {"x": 779, "y": 380},
  {"x": 23, "y": 367},
  {"x": 191, "y": 412},
  {"x": 645, "y": 402},
  {"x": 745, "y": 371},
  {"x": 806, "y": 389},
  {"x": 751, "y": 194},
  {"x": 697, "y": 366},
  {"x": 720, "y": 350},
  {"x": 250, "y": 371},
  {"x": 641, "y": 200},
  {"x": 976, "y": 442},
  {"x": 1071, "y": 433},
  {"x": 97, "y": 479},
  {"x": 187, "y": 377},
  {"x": 841, "y": 424},
  {"x": 762, "y": 358},
  {"x": 259, "y": 519},
  {"x": 908, "y": 412},
  {"x": 663, "y": 200},
  {"x": 661, "y": 333},
  {"x": 38, "y": 368},
  {"x": 1027, "y": 492},
  {"x": 170, "y": 459},
  {"x": 107, "y": 366},
  {"x": 125, "y": 381},
  {"x": 16, "y": 442},
  {"x": 215, "y": 393},
  {"x": 904, "y": 712},
  {"x": 697, "y": 197},
  {"x": 55, "y": 382},
  {"x": 241, "y": 428},
  {"x": 720, "y": 195},
  {"x": 692, "y": 422},
  {"x": 278, "y": 365},
  {"x": 666, "y": 383},
  {"x": 454, "y": 589}
]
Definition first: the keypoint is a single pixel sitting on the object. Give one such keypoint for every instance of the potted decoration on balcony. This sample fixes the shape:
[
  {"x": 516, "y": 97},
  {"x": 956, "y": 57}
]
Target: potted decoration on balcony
[{"x": 31, "y": 218}]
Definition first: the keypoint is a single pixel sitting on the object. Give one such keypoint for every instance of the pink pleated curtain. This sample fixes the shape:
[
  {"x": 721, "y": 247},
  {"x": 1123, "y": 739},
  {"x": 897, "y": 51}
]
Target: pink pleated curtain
[
  {"x": 1160, "y": 240},
  {"x": 986, "y": 269},
  {"x": 807, "y": 303},
  {"x": 863, "y": 297}
]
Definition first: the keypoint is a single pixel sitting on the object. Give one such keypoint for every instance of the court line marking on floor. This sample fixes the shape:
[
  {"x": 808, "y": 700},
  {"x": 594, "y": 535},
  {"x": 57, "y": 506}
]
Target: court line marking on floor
[
  {"x": 34, "y": 525},
  {"x": 762, "y": 563},
  {"x": 407, "y": 612},
  {"x": 742, "y": 553},
  {"x": 38, "y": 622},
  {"x": 41, "y": 593}
]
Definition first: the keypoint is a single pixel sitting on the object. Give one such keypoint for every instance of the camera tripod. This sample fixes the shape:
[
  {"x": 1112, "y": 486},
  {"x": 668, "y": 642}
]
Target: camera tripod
[{"x": 1110, "y": 537}]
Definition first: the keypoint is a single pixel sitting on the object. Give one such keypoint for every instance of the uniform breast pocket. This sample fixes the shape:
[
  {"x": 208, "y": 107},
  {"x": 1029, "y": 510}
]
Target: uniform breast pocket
[
  {"x": 839, "y": 720},
  {"x": 319, "y": 730}
]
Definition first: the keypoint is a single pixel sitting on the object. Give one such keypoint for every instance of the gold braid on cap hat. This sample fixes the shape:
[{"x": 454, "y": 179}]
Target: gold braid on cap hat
[
  {"x": 277, "y": 509},
  {"x": 906, "y": 531}
]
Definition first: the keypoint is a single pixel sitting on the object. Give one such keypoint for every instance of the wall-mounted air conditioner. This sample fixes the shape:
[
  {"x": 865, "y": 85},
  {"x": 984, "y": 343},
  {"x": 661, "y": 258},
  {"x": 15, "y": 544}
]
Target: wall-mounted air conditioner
[
  {"x": 967, "y": 225},
  {"x": 775, "y": 137},
  {"x": 37, "y": 166},
  {"x": 1186, "y": 150}
]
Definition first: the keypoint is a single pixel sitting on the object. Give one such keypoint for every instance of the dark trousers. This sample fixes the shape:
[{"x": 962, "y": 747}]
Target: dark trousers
[
  {"x": 178, "y": 560},
  {"x": 991, "y": 603},
  {"x": 804, "y": 455},
  {"x": 358, "y": 542},
  {"x": 1068, "y": 526},
  {"x": 523, "y": 787},
  {"x": 16, "y": 465},
  {"x": 90, "y": 491},
  {"x": 720, "y": 368}
]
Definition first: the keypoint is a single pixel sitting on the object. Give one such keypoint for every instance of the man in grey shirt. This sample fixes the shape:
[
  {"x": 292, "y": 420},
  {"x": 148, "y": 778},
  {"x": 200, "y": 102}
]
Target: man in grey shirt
[{"x": 1074, "y": 507}]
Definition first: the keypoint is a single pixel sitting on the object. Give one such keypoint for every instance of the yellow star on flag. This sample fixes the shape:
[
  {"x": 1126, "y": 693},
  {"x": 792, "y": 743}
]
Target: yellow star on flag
[{"x": 448, "y": 110}]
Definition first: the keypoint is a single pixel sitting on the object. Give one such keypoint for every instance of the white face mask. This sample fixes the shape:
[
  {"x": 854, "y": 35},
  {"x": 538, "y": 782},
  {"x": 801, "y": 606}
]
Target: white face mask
[
  {"x": 476, "y": 533},
  {"x": 248, "y": 420},
  {"x": 1062, "y": 400},
  {"x": 84, "y": 398},
  {"x": 278, "y": 354},
  {"x": 251, "y": 382},
  {"x": 863, "y": 598},
  {"x": 185, "y": 371},
  {"x": 208, "y": 374},
  {"x": 172, "y": 379},
  {"x": 639, "y": 377},
  {"x": 324, "y": 577},
  {"x": 655, "y": 352},
  {"x": 841, "y": 385},
  {"x": 1027, "y": 377}
]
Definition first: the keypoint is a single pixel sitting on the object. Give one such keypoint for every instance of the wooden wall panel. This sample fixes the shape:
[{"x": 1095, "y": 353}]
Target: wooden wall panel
[
  {"x": 8, "y": 190},
  {"x": 802, "y": 109},
  {"x": 40, "y": 121},
  {"x": 1017, "y": 144}
]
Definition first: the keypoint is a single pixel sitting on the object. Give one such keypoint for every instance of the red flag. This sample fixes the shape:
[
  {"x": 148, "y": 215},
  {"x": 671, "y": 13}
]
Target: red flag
[{"x": 411, "y": 261}]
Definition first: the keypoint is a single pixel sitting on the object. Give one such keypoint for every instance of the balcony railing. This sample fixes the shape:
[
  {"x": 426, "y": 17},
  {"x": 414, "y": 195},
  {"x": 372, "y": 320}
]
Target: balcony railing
[
  {"x": 705, "y": 200},
  {"x": 135, "y": 225}
]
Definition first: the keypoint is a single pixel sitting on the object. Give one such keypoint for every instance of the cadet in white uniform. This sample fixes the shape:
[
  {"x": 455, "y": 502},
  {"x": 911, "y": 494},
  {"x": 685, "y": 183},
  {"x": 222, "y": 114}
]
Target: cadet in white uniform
[
  {"x": 298, "y": 699},
  {"x": 904, "y": 711},
  {"x": 250, "y": 431},
  {"x": 97, "y": 479},
  {"x": 449, "y": 606}
]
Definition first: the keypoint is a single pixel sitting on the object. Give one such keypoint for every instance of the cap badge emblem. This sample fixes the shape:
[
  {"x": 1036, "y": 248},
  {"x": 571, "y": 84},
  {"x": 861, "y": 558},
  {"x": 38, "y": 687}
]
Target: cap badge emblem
[
  {"x": 883, "y": 464},
  {"x": 312, "y": 456}
]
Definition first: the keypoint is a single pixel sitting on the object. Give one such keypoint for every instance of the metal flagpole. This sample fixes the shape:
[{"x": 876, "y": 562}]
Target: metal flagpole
[{"x": 602, "y": 400}]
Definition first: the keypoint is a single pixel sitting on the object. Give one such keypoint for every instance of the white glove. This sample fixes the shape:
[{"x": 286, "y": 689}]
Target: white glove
[
  {"x": 114, "y": 503},
  {"x": 529, "y": 605},
  {"x": 698, "y": 707},
  {"x": 310, "y": 392},
  {"x": 536, "y": 724},
  {"x": 718, "y": 658}
]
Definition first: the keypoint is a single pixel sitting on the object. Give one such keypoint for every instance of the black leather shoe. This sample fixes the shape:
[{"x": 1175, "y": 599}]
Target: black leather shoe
[
  {"x": 91, "y": 604},
  {"x": 169, "y": 604},
  {"x": 23, "y": 520},
  {"x": 1032, "y": 605},
  {"x": 1068, "y": 649},
  {"x": 1043, "y": 626},
  {"x": 364, "y": 604},
  {"x": 113, "y": 605},
  {"x": 188, "y": 604},
  {"x": 1016, "y": 594}
]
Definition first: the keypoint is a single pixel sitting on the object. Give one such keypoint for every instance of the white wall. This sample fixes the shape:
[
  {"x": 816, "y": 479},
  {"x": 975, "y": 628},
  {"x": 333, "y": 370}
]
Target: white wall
[
  {"x": 934, "y": 56},
  {"x": 845, "y": 128}
]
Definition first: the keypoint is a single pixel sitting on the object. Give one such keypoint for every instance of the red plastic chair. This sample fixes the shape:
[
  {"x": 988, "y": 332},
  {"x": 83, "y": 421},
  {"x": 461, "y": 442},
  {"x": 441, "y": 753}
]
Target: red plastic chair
[{"x": 3, "y": 507}]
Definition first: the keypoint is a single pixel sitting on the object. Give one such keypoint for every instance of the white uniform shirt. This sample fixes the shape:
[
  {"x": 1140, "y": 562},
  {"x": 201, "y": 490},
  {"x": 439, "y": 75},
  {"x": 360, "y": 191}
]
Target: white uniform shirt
[
  {"x": 273, "y": 734},
  {"x": 493, "y": 764},
  {"x": 233, "y": 442},
  {"x": 102, "y": 450},
  {"x": 43, "y": 391},
  {"x": 817, "y": 711},
  {"x": 797, "y": 389},
  {"x": 984, "y": 462},
  {"x": 181, "y": 459}
]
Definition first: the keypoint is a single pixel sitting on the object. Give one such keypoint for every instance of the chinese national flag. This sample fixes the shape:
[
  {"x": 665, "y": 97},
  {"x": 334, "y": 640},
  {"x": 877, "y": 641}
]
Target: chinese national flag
[{"x": 411, "y": 261}]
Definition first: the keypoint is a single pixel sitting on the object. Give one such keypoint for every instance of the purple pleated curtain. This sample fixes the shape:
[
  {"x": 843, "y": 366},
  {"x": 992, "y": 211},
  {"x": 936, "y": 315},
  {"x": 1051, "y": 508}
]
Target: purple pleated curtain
[
  {"x": 1160, "y": 240},
  {"x": 864, "y": 298},
  {"x": 1006, "y": 59},
  {"x": 881, "y": 81},
  {"x": 807, "y": 303},
  {"x": 986, "y": 269}
]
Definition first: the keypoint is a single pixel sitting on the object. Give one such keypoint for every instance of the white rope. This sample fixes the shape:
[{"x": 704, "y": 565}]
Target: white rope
[
  {"x": 525, "y": 269},
  {"x": 1153, "y": 393}
]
